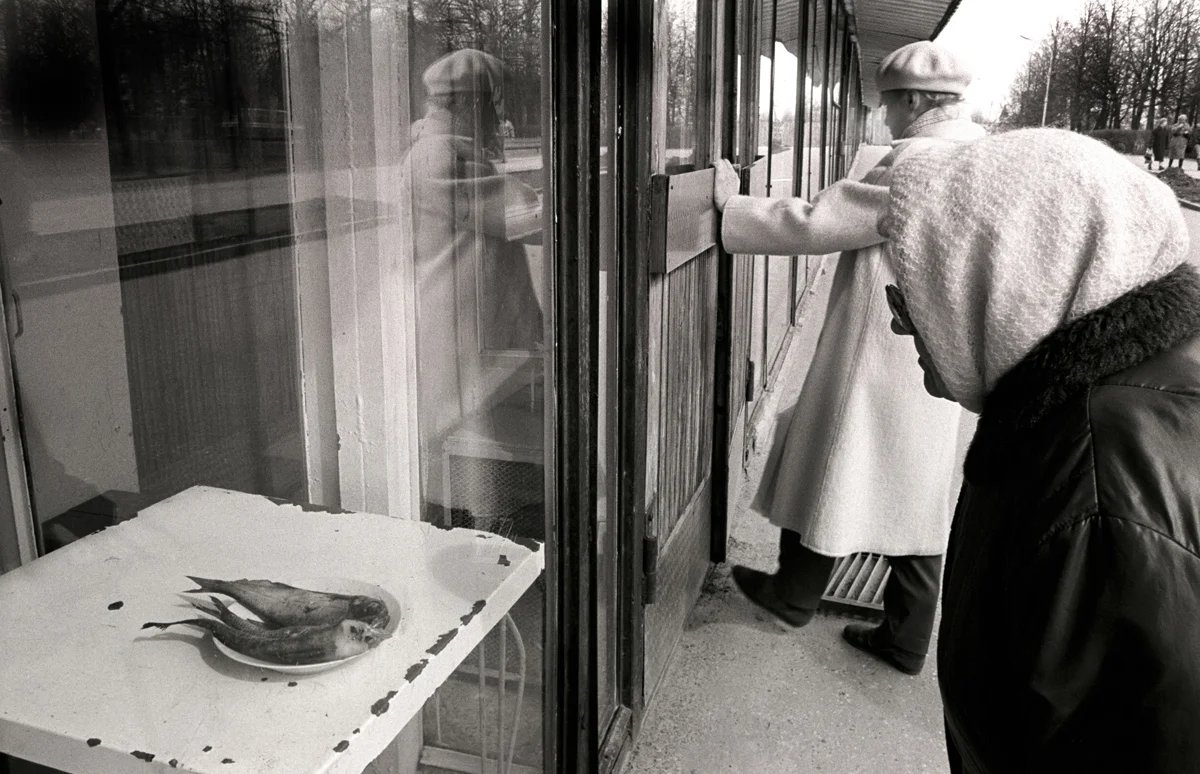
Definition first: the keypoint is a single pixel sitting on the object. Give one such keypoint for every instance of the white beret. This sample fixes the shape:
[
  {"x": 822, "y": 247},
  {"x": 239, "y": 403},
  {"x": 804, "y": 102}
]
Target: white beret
[
  {"x": 923, "y": 66},
  {"x": 464, "y": 71}
]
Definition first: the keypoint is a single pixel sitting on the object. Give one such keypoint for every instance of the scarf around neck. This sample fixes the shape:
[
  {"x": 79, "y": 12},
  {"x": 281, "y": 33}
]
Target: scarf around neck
[{"x": 928, "y": 119}]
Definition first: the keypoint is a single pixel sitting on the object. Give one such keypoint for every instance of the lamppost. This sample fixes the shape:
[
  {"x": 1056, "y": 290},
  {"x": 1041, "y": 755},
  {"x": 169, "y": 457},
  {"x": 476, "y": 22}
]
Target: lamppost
[{"x": 1050, "y": 69}]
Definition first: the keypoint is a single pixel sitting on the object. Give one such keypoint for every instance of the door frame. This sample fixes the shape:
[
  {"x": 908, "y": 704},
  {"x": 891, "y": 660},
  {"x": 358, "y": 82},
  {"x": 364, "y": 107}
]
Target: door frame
[{"x": 571, "y": 124}]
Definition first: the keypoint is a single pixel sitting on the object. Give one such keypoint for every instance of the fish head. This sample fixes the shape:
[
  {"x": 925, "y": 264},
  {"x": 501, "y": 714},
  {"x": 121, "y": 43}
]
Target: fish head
[
  {"x": 360, "y": 631},
  {"x": 368, "y": 609}
]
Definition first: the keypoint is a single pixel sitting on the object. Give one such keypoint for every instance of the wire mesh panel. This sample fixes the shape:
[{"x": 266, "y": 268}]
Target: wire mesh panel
[
  {"x": 495, "y": 495},
  {"x": 489, "y": 712}
]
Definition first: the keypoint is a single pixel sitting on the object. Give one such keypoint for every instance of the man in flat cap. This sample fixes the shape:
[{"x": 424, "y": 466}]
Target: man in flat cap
[
  {"x": 475, "y": 293},
  {"x": 867, "y": 459}
]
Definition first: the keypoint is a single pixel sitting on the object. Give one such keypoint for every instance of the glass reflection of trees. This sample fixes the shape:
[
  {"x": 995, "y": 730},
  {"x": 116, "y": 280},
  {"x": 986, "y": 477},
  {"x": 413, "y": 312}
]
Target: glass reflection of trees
[
  {"x": 509, "y": 29},
  {"x": 682, "y": 84},
  {"x": 189, "y": 86}
]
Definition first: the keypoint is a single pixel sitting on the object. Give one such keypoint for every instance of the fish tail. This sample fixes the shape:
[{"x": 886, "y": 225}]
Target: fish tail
[
  {"x": 203, "y": 608},
  {"x": 207, "y": 624},
  {"x": 158, "y": 625},
  {"x": 206, "y": 584}
]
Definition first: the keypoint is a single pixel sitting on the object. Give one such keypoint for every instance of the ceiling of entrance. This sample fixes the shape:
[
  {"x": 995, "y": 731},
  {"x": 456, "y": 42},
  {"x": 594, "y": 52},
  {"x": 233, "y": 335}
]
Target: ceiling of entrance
[
  {"x": 881, "y": 27},
  {"x": 885, "y": 25}
]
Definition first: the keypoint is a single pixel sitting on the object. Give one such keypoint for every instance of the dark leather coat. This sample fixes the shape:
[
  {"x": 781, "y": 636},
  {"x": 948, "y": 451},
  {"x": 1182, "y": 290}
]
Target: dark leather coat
[{"x": 1070, "y": 634}]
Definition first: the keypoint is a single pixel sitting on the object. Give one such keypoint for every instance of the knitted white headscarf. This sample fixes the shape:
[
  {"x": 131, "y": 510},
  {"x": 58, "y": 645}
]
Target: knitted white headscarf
[{"x": 1000, "y": 241}]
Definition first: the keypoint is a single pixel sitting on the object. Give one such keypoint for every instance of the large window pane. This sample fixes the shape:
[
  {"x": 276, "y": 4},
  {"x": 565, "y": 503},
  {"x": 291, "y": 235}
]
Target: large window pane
[
  {"x": 608, "y": 614},
  {"x": 814, "y": 83},
  {"x": 682, "y": 84},
  {"x": 785, "y": 69},
  {"x": 293, "y": 249},
  {"x": 476, "y": 162}
]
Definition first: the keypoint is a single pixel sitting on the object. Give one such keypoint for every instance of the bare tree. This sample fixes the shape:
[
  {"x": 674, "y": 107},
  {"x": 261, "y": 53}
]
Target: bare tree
[{"x": 1121, "y": 63}]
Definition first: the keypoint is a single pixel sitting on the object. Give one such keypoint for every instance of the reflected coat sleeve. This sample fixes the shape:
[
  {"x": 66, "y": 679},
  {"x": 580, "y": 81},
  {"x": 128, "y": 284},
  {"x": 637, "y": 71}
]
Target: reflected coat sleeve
[
  {"x": 1107, "y": 651},
  {"x": 842, "y": 217}
]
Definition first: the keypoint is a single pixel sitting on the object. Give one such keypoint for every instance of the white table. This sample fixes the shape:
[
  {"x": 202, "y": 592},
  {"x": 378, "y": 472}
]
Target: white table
[{"x": 84, "y": 689}]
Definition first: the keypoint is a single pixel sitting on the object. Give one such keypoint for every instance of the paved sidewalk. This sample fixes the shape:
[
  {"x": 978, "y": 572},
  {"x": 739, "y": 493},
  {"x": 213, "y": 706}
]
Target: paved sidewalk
[
  {"x": 1189, "y": 165},
  {"x": 742, "y": 696}
]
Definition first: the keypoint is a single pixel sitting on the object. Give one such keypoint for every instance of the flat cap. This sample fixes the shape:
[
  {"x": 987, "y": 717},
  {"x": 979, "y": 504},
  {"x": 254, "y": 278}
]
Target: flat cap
[
  {"x": 923, "y": 66},
  {"x": 466, "y": 70}
]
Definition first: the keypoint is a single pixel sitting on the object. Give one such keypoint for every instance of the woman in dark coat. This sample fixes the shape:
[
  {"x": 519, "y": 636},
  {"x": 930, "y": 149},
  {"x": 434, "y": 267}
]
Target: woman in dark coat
[
  {"x": 1160, "y": 138},
  {"x": 1177, "y": 147},
  {"x": 1070, "y": 632}
]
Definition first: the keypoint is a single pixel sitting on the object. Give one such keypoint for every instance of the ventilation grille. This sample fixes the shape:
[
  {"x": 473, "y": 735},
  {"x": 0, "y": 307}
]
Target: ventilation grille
[{"x": 856, "y": 585}]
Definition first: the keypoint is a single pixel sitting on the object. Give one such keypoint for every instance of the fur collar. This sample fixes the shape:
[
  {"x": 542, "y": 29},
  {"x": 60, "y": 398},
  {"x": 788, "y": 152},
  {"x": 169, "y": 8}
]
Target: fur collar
[{"x": 1135, "y": 327}]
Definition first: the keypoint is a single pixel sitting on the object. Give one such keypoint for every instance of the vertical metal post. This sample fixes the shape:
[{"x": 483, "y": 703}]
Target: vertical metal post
[{"x": 1050, "y": 72}]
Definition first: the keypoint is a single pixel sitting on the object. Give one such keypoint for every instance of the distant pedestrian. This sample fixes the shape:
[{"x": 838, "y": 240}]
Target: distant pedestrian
[
  {"x": 1180, "y": 131},
  {"x": 1194, "y": 142},
  {"x": 1160, "y": 137},
  {"x": 1070, "y": 319}
]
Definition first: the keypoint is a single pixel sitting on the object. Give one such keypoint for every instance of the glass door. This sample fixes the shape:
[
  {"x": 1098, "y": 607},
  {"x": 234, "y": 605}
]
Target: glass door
[
  {"x": 610, "y": 612},
  {"x": 781, "y": 270}
]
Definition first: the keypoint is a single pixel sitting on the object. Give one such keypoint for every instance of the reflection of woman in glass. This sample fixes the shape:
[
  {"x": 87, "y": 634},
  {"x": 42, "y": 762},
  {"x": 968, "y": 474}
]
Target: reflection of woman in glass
[{"x": 474, "y": 289}]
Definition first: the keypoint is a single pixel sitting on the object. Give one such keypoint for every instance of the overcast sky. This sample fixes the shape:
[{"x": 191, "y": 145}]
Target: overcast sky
[{"x": 988, "y": 33}]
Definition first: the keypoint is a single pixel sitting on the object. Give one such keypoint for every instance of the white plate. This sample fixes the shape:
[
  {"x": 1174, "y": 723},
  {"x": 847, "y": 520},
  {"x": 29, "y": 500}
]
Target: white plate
[{"x": 396, "y": 614}]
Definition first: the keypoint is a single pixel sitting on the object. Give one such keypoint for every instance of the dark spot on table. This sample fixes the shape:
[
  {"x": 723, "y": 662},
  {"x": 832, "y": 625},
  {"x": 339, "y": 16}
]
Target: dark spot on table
[
  {"x": 173, "y": 763},
  {"x": 93, "y": 742},
  {"x": 207, "y": 747},
  {"x": 415, "y": 670},
  {"x": 381, "y": 706},
  {"x": 263, "y": 679},
  {"x": 503, "y": 562},
  {"x": 442, "y": 642},
  {"x": 475, "y": 609},
  {"x": 356, "y": 730},
  {"x": 116, "y": 605},
  {"x": 145, "y": 756},
  {"x": 227, "y": 760},
  {"x": 292, "y": 684},
  {"x": 341, "y": 746}
]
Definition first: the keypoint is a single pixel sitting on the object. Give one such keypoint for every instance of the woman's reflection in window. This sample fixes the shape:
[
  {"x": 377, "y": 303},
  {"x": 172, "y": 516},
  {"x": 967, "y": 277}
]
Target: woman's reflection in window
[{"x": 471, "y": 222}]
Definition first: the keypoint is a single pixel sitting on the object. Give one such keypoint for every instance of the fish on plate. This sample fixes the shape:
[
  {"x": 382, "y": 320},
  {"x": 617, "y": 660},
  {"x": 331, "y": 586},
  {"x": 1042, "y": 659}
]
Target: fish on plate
[
  {"x": 279, "y": 604},
  {"x": 291, "y": 645}
]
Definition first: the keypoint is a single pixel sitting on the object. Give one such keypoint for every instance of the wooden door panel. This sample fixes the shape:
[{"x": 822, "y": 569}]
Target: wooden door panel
[
  {"x": 682, "y": 435},
  {"x": 682, "y": 565}
]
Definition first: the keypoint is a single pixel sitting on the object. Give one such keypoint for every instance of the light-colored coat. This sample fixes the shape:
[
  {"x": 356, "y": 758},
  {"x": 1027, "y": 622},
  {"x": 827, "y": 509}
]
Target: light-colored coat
[{"x": 867, "y": 458}]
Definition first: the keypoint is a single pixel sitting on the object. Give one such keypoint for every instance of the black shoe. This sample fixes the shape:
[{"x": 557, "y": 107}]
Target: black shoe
[
  {"x": 866, "y": 638},
  {"x": 760, "y": 588}
]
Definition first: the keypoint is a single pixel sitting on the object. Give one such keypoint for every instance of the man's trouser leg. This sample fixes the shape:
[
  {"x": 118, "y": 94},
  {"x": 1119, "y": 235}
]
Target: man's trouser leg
[
  {"x": 910, "y": 602},
  {"x": 803, "y": 573}
]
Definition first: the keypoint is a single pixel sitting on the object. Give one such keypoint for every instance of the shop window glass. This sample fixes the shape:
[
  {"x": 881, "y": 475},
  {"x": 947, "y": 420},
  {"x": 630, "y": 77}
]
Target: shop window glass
[
  {"x": 785, "y": 69},
  {"x": 295, "y": 250},
  {"x": 682, "y": 96},
  {"x": 608, "y": 615},
  {"x": 814, "y": 83}
]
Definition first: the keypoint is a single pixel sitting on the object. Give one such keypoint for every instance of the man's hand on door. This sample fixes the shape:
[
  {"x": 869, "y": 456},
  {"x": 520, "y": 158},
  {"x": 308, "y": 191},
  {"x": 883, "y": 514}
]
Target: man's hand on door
[{"x": 726, "y": 183}]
